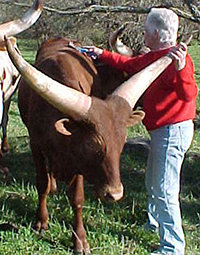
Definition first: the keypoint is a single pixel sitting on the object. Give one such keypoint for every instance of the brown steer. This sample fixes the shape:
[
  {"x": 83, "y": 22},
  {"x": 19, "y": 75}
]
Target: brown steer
[{"x": 74, "y": 135}]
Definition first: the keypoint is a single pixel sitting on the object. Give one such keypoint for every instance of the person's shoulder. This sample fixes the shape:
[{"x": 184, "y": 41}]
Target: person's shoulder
[{"x": 155, "y": 54}]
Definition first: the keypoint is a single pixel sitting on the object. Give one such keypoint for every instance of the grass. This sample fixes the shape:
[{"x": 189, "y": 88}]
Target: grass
[{"x": 111, "y": 229}]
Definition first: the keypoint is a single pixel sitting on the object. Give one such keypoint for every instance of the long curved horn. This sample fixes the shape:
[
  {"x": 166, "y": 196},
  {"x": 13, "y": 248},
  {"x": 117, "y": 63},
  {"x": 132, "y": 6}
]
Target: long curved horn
[
  {"x": 117, "y": 45},
  {"x": 132, "y": 89},
  {"x": 114, "y": 36},
  {"x": 17, "y": 26},
  {"x": 69, "y": 101}
]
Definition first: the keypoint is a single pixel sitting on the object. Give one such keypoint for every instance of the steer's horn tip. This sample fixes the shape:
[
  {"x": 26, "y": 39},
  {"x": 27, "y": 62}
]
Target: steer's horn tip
[
  {"x": 188, "y": 40},
  {"x": 39, "y": 5},
  {"x": 123, "y": 26},
  {"x": 7, "y": 43},
  {"x": 5, "y": 38}
]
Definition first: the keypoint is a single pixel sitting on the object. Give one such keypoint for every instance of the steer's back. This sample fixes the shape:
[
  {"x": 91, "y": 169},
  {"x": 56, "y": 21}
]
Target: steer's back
[{"x": 64, "y": 64}]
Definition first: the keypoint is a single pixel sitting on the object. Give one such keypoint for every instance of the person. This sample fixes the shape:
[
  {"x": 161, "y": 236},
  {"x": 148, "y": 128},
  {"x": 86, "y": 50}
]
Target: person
[{"x": 169, "y": 104}]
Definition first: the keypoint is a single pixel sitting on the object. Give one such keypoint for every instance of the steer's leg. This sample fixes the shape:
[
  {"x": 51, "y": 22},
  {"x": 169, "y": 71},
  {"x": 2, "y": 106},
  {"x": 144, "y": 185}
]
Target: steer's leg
[
  {"x": 4, "y": 144},
  {"x": 4, "y": 171},
  {"x": 43, "y": 184},
  {"x": 76, "y": 196},
  {"x": 53, "y": 184}
]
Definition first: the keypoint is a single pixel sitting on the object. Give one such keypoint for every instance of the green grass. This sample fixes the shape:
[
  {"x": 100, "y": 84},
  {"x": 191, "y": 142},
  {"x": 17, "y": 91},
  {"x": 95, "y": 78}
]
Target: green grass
[{"x": 111, "y": 229}]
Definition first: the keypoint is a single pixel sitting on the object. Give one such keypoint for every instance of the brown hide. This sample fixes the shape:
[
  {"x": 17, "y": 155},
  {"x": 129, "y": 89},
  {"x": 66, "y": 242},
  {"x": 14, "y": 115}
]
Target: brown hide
[
  {"x": 110, "y": 78},
  {"x": 75, "y": 70},
  {"x": 68, "y": 150}
]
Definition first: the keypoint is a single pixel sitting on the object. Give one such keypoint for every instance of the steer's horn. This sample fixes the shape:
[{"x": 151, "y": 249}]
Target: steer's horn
[
  {"x": 17, "y": 26},
  {"x": 69, "y": 101},
  {"x": 133, "y": 88},
  {"x": 117, "y": 45}
]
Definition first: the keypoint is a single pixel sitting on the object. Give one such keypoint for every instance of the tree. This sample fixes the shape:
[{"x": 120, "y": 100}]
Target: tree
[{"x": 92, "y": 21}]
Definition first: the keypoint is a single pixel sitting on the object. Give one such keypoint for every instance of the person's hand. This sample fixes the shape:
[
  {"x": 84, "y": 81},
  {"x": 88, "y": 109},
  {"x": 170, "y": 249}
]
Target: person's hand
[
  {"x": 93, "y": 51},
  {"x": 178, "y": 54},
  {"x": 96, "y": 50}
]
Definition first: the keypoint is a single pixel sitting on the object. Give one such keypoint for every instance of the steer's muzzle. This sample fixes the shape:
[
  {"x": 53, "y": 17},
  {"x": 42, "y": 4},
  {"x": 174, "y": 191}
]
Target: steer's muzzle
[{"x": 110, "y": 194}]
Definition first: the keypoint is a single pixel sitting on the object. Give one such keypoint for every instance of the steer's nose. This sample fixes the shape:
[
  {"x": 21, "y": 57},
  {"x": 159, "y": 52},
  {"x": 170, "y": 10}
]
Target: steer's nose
[{"x": 111, "y": 194}]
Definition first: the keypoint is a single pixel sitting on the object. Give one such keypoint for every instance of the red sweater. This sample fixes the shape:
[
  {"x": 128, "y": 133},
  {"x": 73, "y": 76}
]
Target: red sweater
[{"x": 172, "y": 96}]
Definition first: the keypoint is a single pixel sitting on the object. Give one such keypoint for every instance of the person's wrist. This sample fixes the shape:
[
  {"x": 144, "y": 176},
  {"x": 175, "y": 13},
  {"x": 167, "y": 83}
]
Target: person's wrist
[
  {"x": 98, "y": 51},
  {"x": 181, "y": 65}
]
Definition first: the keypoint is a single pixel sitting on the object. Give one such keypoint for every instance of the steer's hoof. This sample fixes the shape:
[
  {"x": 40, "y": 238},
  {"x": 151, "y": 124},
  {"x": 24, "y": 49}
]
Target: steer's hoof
[
  {"x": 40, "y": 226},
  {"x": 5, "y": 149},
  {"x": 5, "y": 146},
  {"x": 84, "y": 250},
  {"x": 87, "y": 251},
  {"x": 5, "y": 174}
]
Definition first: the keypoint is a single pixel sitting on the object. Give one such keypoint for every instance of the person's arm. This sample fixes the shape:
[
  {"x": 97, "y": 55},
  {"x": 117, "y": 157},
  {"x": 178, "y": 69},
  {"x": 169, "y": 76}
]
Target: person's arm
[
  {"x": 127, "y": 64},
  {"x": 123, "y": 63},
  {"x": 184, "y": 81}
]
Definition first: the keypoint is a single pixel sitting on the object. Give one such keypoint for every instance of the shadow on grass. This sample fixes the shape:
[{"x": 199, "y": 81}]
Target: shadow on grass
[
  {"x": 133, "y": 164},
  {"x": 21, "y": 164}
]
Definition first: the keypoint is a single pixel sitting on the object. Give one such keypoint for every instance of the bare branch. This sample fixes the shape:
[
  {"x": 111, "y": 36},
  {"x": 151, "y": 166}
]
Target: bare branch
[
  {"x": 185, "y": 15},
  {"x": 89, "y": 9},
  {"x": 195, "y": 17},
  {"x": 195, "y": 12}
]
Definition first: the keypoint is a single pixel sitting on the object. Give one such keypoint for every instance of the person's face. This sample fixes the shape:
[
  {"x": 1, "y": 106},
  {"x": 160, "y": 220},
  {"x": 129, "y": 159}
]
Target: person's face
[{"x": 150, "y": 39}]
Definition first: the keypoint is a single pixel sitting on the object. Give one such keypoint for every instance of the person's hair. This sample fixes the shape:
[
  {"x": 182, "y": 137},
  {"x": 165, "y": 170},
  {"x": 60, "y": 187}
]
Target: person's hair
[{"x": 166, "y": 22}]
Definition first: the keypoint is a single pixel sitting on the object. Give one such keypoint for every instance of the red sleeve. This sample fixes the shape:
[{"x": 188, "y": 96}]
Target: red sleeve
[
  {"x": 130, "y": 65},
  {"x": 185, "y": 84}
]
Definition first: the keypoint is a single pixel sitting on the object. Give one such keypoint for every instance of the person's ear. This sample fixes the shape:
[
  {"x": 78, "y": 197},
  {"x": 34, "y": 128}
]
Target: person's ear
[{"x": 156, "y": 34}]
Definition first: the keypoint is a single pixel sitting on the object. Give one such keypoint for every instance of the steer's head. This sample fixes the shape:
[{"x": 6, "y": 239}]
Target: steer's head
[
  {"x": 111, "y": 117},
  {"x": 98, "y": 141},
  {"x": 107, "y": 119}
]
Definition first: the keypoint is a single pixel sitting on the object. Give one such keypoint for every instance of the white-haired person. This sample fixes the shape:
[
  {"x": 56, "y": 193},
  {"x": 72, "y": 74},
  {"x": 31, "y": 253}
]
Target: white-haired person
[{"x": 169, "y": 104}]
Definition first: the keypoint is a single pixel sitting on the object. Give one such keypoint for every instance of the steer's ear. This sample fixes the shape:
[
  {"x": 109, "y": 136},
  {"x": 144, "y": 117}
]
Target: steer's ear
[
  {"x": 135, "y": 118},
  {"x": 61, "y": 126}
]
